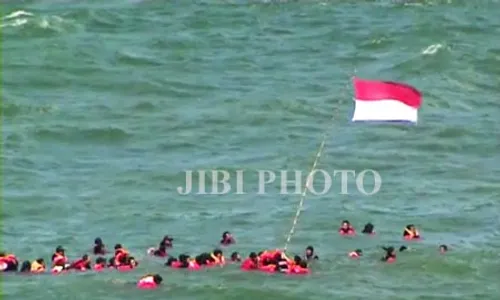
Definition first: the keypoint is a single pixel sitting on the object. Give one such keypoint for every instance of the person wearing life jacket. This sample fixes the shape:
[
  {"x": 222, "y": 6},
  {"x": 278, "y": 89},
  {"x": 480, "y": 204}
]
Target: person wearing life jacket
[
  {"x": 235, "y": 257},
  {"x": 185, "y": 262},
  {"x": 130, "y": 264},
  {"x": 227, "y": 239},
  {"x": 100, "y": 264},
  {"x": 250, "y": 263},
  {"x": 299, "y": 267},
  {"x": 217, "y": 258},
  {"x": 150, "y": 281},
  {"x": 38, "y": 266},
  {"x": 369, "y": 229},
  {"x": 25, "y": 267},
  {"x": 82, "y": 264},
  {"x": 355, "y": 254},
  {"x": 390, "y": 254},
  {"x": 411, "y": 233},
  {"x": 443, "y": 249},
  {"x": 121, "y": 254},
  {"x": 59, "y": 260},
  {"x": 172, "y": 262},
  {"x": 99, "y": 247},
  {"x": 309, "y": 255},
  {"x": 160, "y": 252},
  {"x": 8, "y": 262},
  {"x": 346, "y": 228}
]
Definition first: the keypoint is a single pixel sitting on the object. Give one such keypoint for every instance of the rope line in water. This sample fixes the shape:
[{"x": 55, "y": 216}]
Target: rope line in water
[{"x": 310, "y": 176}]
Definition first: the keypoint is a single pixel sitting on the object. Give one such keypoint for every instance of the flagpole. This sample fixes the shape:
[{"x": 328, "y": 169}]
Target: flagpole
[{"x": 307, "y": 186}]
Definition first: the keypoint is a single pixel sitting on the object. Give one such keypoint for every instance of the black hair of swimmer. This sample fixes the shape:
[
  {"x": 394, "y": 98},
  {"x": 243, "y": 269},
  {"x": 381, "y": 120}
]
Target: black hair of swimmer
[
  {"x": 408, "y": 227},
  {"x": 368, "y": 229},
  {"x": 218, "y": 252},
  {"x": 359, "y": 251},
  {"x": 157, "y": 278},
  {"x": 203, "y": 258},
  {"x": 111, "y": 262},
  {"x": 297, "y": 259},
  {"x": 100, "y": 260},
  {"x": 310, "y": 253},
  {"x": 98, "y": 241},
  {"x": 166, "y": 242},
  {"x": 235, "y": 256},
  {"x": 253, "y": 255},
  {"x": 25, "y": 266},
  {"x": 403, "y": 248},
  {"x": 346, "y": 222},
  {"x": 303, "y": 264},
  {"x": 170, "y": 260},
  {"x": 443, "y": 248},
  {"x": 389, "y": 253},
  {"x": 118, "y": 246},
  {"x": 260, "y": 253}
]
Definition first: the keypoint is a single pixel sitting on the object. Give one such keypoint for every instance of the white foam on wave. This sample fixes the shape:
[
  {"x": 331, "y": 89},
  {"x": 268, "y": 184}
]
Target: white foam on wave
[
  {"x": 432, "y": 49},
  {"x": 18, "y": 13}
]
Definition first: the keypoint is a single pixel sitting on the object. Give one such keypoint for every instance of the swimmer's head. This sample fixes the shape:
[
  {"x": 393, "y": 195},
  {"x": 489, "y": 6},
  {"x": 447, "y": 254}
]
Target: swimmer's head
[
  {"x": 162, "y": 247},
  {"x": 403, "y": 248},
  {"x": 359, "y": 252},
  {"x": 170, "y": 261},
  {"x": 253, "y": 256},
  {"x": 226, "y": 235},
  {"x": 297, "y": 259},
  {"x": 167, "y": 241},
  {"x": 98, "y": 241},
  {"x": 183, "y": 257},
  {"x": 443, "y": 248},
  {"x": 260, "y": 253},
  {"x": 40, "y": 261},
  {"x": 131, "y": 261},
  {"x": 2, "y": 254},
  {"x": 218, "y": 252},
  {"x": 25, "y": 266},
  {"x": 118, "y": 246},
  {"x": 100, "y": 261},
  {"x": 303, "y": 264},
  {"x": 346, "y": 224},
  {"x": 390, "y": 250},
  {"x": 85, "y": 257},
  {"x": 60, "y": 249},
  {"x": 157, "y": 278},
  {"x": 410, "y": 227},
  {"x": 235, "y": 256},
  {"x": 309, "y": 251},
  {"x": 111, "y": 262},
  {"x": 277, "y": 257},
  {"x": 368, "y": 228}
]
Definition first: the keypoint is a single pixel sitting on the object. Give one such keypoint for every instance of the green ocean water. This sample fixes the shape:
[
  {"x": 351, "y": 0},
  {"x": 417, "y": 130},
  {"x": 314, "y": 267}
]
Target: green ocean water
[{"x": 105, "y": 104}]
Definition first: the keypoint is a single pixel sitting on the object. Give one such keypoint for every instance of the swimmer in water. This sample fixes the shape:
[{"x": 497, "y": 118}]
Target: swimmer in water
[
  {"x": 167, "y": 241},
  {"x": 403, "y": 248},
  {"x": 411, "y": 233},
  {"x": 150, "y": 281},
  {"x": 227, "y": 239},
  {"x": 356, "y": 253},
  {"x": 25, "y": 267},
  {"x": 170, "y": 261},
  {"x": 390, "y": 254},
  {"x": 251, "y": 263},
  {"x": 369, "y": 229},
  {"x": 37, "y": 266},
  {"x": 443, "y": 249},
  {"x": 81, "y": 264},
  {"x": 59, "y": 260},
  {"x": 121, "y": 255},
  {"x": 160, "y": 252},
  {"x": 235, "y": 257},
  {"x": 310, "y": 254},
  {"x": 8, "y": 262},
  {"x": 346, "y": 228},
  {"x": 100, "y": 264},
  {"x": 99, "y": 247},
  {"x": 111, "y": 262}
]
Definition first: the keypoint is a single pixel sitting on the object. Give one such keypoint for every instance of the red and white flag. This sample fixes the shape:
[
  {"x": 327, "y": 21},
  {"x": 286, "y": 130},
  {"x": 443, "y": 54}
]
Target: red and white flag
[{"x": 385, "y": 101}]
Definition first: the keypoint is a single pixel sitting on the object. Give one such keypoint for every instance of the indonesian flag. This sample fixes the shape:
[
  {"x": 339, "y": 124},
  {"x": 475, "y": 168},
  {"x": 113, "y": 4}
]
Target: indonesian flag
[{"x": 385, "y": 101}]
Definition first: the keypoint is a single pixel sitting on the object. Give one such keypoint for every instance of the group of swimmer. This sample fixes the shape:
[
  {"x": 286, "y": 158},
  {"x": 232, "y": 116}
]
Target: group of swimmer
[{"x": 270, "y": 261}]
